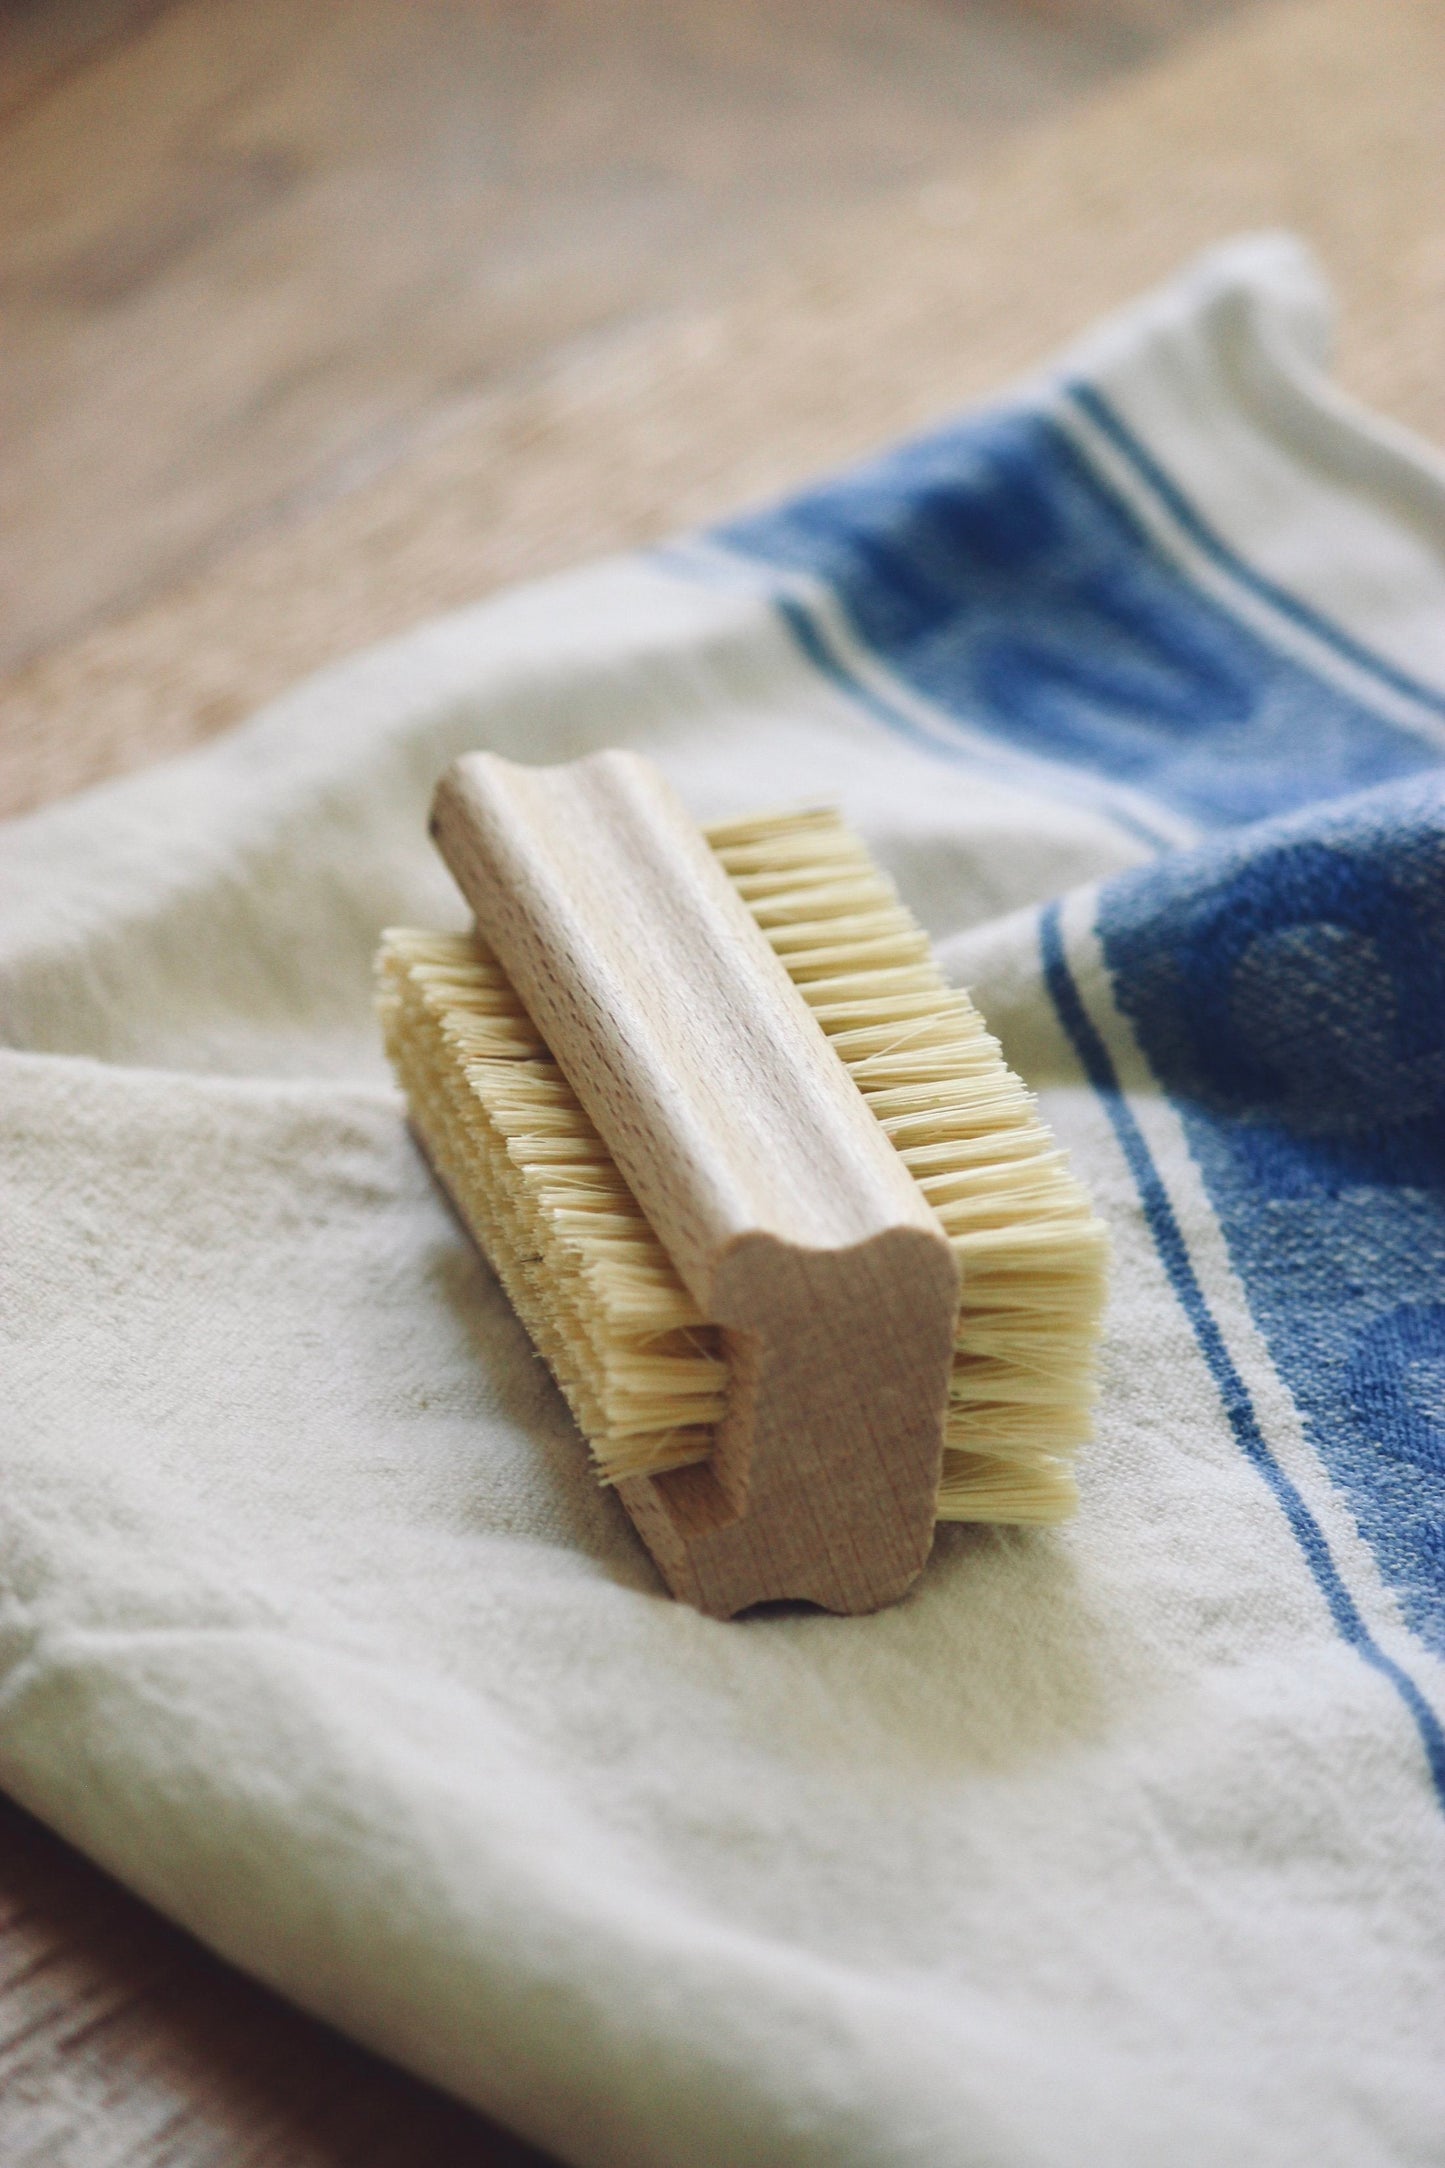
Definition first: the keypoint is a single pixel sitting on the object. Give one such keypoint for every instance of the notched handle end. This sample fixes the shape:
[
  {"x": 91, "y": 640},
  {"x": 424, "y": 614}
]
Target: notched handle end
[{"x": 823, "y": 1486}]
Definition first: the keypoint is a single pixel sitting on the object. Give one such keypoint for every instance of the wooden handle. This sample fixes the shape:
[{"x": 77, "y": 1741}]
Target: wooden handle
[{"x": 786, "y": 1212}]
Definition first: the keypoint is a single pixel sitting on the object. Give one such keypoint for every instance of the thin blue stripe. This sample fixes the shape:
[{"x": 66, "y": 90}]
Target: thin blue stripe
[
  {"x": 820, "y": 652},
  {"x": 1233, "y": 1392},
  {"x": 1099, "y": 410}
]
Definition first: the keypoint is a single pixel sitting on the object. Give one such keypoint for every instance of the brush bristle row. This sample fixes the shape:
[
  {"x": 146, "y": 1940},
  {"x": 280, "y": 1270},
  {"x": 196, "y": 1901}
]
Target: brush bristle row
[
  {"x": 642, "y": 1371},
  {"x": 536, "y": 1185}
]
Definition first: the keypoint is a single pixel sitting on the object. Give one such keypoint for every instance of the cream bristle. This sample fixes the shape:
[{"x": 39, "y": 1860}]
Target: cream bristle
[{"x": 643, "y": 1372}]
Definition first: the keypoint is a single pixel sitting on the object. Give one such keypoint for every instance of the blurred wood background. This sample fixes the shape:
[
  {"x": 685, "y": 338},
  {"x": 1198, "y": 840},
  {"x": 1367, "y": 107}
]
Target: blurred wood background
[{"x": 252, "y": 252}]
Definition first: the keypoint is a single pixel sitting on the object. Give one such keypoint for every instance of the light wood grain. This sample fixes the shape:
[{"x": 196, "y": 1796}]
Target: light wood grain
[
  {"x": 1327, "y": 116},
  {"x": 785, "y": 1211},
  {"x": 44, "y": 43},
  {"x": 254, "y": 251}
]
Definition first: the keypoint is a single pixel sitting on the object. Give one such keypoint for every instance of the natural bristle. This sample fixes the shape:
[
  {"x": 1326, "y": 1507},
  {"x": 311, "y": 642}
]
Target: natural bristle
[{"x": 644, "y": 1374}]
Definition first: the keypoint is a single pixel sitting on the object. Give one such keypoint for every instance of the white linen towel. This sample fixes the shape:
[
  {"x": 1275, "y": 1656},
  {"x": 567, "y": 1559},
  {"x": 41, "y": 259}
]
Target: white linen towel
[{"x": 1117, "y": 1844}]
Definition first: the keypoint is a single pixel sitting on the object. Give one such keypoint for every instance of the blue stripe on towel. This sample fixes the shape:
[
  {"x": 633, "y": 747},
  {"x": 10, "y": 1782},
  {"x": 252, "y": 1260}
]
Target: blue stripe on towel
[
  {"x": 1213, "y": 546},
  {"x": 822, "y": 651},
  {"x": 992, "y": 572},
  {"x": 1288, "y": 990},
  {"x": 1234, "y": 1394}
]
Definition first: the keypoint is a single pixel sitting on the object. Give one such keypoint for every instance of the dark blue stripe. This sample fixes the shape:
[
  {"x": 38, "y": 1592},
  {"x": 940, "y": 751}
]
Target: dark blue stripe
[
  {"x": 1233, "y": 1392},
  {"x": 815, "y": 644},
  {"x": 1214, "y": 546}
]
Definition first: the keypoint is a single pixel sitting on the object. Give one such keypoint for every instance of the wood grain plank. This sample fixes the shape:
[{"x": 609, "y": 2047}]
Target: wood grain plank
[
  {"x": 43, "y": 43},
  {"x": 252, "y": 251},
  {"x": 1327, "y": 117}
]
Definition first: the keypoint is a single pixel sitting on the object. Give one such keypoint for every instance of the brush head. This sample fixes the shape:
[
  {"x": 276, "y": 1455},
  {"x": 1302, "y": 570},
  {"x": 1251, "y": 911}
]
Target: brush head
[{"x": 640, "y": 1347}]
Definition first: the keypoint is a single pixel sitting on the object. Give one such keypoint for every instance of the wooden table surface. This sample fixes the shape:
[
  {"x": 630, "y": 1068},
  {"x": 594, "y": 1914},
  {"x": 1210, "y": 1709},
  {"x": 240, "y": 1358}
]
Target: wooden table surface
[
  {"x": 256, "y": 256},
  {"x": 252, "y": 251}
]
